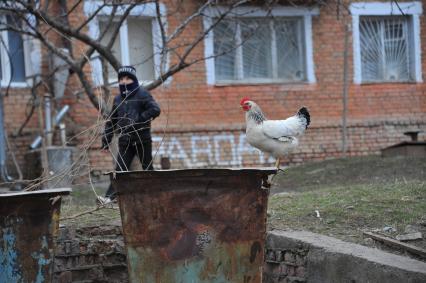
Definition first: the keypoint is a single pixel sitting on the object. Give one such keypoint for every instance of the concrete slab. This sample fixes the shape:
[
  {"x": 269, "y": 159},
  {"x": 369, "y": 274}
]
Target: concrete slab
[{"x": 333, "y": 260}]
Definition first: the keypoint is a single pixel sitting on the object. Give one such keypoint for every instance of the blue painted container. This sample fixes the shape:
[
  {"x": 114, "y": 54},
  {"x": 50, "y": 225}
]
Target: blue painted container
[{"x": 29, "y": 223}]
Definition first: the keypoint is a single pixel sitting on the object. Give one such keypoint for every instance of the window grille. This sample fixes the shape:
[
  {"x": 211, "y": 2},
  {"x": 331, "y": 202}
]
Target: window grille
[{"x": 385, "y": 49}]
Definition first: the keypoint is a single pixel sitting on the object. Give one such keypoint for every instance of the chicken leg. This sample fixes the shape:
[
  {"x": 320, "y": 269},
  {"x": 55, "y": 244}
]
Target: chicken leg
[{"x": 277, "y": 163}]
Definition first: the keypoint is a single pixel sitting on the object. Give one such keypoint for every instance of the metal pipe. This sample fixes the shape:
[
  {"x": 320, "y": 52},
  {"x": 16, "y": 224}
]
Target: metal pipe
[
  {"x": 63, "y": 134},
  {"x": 3, "y": 170},
  {"x": 61, "y": 114},
  {"x": 345, "y": 92},
  {"x": 48, "y": 120},
  {"x": 36, "y": 143}
]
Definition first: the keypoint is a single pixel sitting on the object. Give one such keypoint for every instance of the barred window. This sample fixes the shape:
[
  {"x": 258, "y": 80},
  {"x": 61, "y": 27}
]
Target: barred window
[{"x": 386, "y": 49}]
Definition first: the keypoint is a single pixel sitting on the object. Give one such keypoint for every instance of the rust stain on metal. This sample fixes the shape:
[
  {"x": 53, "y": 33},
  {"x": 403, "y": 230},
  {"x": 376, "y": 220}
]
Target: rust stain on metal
[
  {"x": 199, "y": 225},
  {"x": 28, "y": 224}
]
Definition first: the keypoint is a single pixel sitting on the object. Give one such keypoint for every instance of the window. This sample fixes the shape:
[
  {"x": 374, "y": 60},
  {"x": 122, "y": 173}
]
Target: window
[
  {"x": 386, "y": 42},
  {"x": 253, "y": 49},
  {"x": 257, "y": 46},
  {"x": 132, "y": 46},
  {"x": 385, "y": 49},
  {"x": 116, "y": 47},
  {"x": 12, "y": 55},
  {"x": 138, "y": 42}
]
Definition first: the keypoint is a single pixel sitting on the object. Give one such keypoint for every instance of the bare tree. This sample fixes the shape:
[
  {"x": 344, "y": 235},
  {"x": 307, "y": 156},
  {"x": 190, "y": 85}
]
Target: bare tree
[
  {"x": 50, "y": 23},
  {"x": 65, "y": 30}
]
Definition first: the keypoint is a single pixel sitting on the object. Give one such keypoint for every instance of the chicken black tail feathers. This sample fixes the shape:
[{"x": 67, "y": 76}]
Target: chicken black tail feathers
[{"x": 305, "y": 113}]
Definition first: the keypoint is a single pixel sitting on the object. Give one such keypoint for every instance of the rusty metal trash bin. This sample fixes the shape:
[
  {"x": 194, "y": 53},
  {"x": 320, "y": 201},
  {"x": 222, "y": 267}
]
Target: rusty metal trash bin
[
  {"x": 28, "y": 225},
  {"x": 196, "y": 225}
]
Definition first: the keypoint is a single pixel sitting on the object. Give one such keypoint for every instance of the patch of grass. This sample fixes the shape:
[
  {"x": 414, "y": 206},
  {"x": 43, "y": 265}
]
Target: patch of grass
[
  {"x": 351, "y": 171},
  {"x": 104, "y": 216},
  {"x": 83, "y": 200},
  {"x": 347, "y": 210}
]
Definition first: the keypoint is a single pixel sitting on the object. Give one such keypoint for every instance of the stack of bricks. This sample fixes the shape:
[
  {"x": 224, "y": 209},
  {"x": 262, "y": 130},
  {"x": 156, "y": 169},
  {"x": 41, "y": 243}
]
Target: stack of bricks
[
  {"x": 285, "y": 266},
  {"x": 90, "y": 254}
]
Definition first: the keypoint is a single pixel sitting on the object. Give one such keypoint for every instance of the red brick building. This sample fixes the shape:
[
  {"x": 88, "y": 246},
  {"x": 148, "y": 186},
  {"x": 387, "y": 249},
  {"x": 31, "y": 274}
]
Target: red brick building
[{"x": 295, "y": 57}]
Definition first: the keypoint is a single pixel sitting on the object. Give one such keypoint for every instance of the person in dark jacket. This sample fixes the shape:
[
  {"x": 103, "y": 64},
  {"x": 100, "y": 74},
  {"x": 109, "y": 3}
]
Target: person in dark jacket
[{"x": 132, "y": 112}]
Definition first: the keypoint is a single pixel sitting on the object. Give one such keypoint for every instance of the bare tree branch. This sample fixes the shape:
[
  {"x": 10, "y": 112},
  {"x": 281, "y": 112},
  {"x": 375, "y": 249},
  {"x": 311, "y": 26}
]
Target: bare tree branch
[
  {"x": 66, "y": 30},
  {"x": 186, "y": 22},
  {"x": 114, "y": 63},
  {"x": 160, "y": 23},
  {"x": 92, "y": 49},
  {"x": 182, "y": 50},
  {"x": 90, "y": 18},
  {"x": 76, "y": 4},
  {"x": 32, "y": 104},
  {"x": 203, "y": 34}
]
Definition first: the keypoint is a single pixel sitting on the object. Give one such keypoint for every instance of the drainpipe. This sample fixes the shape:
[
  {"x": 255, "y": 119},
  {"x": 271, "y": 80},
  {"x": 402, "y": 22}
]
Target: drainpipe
[
  {"x": 63, "y": 134},
  {"x": 58, "y": 119},
  {"x": 48, "y": 120},
  {"x": 3, "y": 170}
]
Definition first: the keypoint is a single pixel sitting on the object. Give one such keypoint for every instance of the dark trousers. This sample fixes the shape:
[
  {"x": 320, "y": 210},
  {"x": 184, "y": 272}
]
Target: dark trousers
[{"x": 126, "y": 153}]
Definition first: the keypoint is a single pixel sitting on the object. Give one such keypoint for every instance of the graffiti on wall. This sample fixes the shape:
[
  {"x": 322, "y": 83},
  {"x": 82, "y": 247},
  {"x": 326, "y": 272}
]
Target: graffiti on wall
[{"x": 207, "y": 150}]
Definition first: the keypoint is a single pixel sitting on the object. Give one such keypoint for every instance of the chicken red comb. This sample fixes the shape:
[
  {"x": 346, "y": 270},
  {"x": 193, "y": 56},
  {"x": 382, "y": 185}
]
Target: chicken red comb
[{"x": 244, "y": 100}]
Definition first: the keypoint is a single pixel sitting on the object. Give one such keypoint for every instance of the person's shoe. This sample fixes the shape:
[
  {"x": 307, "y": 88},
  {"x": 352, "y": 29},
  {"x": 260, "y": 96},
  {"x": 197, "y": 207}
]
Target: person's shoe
[{"x": 105, "y": 200}]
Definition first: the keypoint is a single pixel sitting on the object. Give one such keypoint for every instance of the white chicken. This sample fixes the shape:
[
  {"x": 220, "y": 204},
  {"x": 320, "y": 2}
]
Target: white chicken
[{"x": 276, "y": 137}]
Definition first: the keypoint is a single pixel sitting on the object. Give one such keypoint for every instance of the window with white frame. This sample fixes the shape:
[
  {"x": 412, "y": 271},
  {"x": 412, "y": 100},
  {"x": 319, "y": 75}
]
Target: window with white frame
[
  {"x": 12, "y": 54},
  {"x": 132, "y": 46},
  {"x": 141, "y": 47},
  {"x": 252, "y": 49},
  {"x": 386, "y": 42},
  {"x": 386, "y": 49},
  {"x": 138, "y": 42},
  {"x": 116, "y": 47},
  {"x": 252, "y": 45}
]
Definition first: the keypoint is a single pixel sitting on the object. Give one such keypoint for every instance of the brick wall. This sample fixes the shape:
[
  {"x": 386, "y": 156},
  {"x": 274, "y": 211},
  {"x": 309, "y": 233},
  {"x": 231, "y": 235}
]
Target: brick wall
[
  {"x": 202, "y": 125},
  {"x": 195, "y": 114},
  {"x": 206, "y": 148},
  {"x": 17, "y": 106},
  {"x": 97, "y": 254},
  {"x": 90, "y": 254},
  {"x": 285, "y": 265}
]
